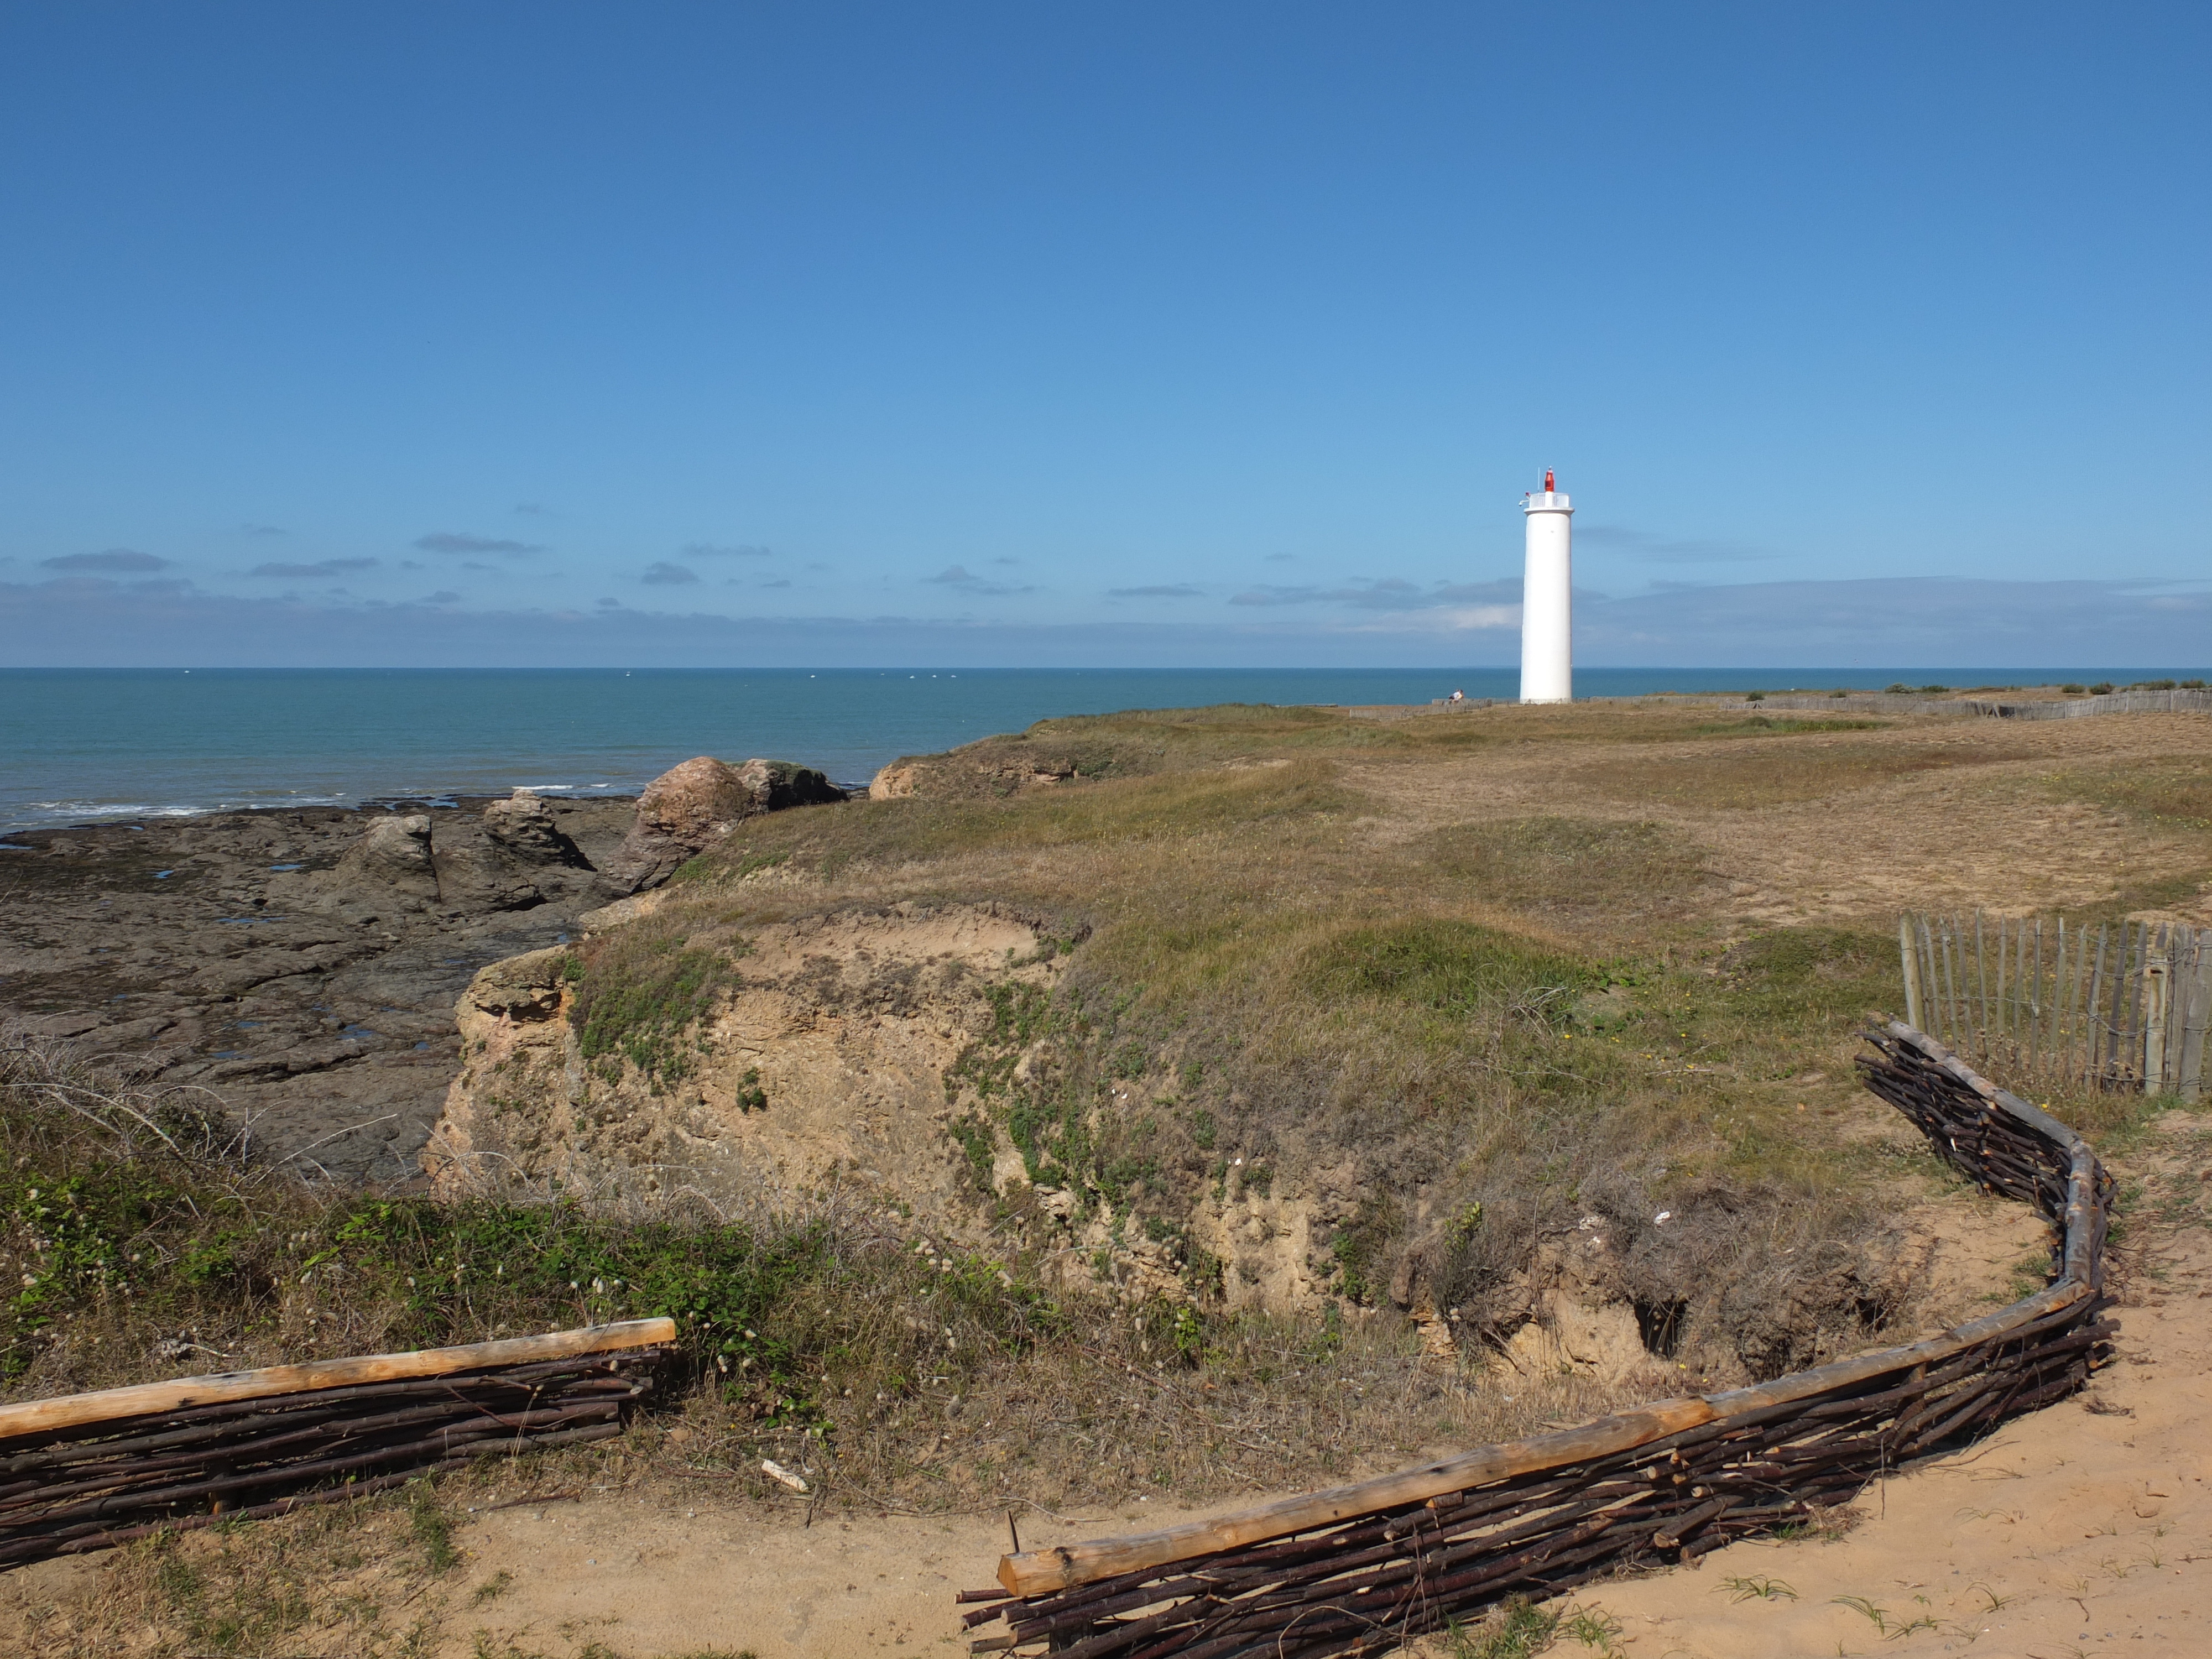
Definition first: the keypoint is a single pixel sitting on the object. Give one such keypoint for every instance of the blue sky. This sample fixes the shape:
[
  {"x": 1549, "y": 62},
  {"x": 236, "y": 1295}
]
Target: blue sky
[{"x": 543, "y": 333}]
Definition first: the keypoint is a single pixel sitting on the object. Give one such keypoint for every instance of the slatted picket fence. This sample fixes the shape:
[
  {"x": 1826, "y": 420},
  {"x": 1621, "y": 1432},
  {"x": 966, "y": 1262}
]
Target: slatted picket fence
[{"x": 2120, "y": 1006}]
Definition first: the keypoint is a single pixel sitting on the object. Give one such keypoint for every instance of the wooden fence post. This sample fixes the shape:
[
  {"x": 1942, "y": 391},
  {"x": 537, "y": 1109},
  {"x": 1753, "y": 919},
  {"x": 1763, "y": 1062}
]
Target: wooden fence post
[
  {"x": 2195, "y": 998},
  {"x": 2157, "y": 1010}
]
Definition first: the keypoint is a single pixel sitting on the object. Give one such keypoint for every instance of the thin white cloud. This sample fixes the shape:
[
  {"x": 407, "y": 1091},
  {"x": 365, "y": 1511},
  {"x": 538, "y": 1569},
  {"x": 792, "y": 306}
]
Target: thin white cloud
[
  {"x": 1902, "y": 624},
  {"x": 1384, "y": 593}
]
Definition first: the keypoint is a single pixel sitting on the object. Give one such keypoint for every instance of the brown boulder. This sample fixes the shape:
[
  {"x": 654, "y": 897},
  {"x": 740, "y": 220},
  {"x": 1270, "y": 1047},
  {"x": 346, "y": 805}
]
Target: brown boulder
[{"x": 690, "y": 807}]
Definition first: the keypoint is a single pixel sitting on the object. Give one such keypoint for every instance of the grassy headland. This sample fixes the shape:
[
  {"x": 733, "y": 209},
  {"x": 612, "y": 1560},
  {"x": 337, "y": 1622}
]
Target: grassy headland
[{"x": 1419, "y": 1004}]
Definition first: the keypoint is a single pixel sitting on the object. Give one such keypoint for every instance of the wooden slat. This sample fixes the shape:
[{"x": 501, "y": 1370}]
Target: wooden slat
[
  {"x": 2037, "y": 1002},
  {"x": 145, "y": 1399},
  {"x": 2157, "y": 1010},
  {"x": 2196, "y": 1009},
  {"x": 1939, "y": 1016},
  {"x": 1947, "y": 943},
  {"x": 2070, "y": 1053},
  {"x": 2005, "y": 1003},
  {"x": 1908, "y": 950},
  {"x": 1981, "y": 988}
]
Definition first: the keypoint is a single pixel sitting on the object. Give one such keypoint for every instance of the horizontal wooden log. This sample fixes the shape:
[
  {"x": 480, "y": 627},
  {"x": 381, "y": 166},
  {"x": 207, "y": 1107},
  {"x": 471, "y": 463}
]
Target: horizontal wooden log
[
  {"x": 1060, "y": 1567},
  {"x": 147, "y": 1399}
]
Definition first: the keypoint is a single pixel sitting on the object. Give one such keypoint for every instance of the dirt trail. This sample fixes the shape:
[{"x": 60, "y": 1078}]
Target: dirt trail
[{"x": 1832, "y": 826}]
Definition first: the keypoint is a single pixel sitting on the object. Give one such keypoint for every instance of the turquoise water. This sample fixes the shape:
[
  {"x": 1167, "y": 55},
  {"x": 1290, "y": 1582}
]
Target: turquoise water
[{"x": 82, "y": 746}]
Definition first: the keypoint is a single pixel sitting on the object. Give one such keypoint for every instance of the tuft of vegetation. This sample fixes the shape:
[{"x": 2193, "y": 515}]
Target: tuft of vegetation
[
  {"x": 639, "y": 992},
  {"x": 1516, "y": 1631},
  {"x": 1558, "y": 863},
  {"x": 432, "y": 1526}
]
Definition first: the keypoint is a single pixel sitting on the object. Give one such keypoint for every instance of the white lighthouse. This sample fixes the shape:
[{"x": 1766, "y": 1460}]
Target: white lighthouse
[{"x": 1547, "y": 624}]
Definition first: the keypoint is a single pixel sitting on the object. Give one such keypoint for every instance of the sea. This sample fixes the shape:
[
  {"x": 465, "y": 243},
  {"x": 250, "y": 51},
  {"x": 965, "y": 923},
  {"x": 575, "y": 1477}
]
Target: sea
[{"x": 105, "y": 745}]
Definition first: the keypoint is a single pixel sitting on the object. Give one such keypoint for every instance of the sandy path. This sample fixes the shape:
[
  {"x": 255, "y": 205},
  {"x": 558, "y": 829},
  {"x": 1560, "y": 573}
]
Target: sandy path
[
  {"x": 2068, "y": 1534},
  {"x": 644, "y": 1578}
]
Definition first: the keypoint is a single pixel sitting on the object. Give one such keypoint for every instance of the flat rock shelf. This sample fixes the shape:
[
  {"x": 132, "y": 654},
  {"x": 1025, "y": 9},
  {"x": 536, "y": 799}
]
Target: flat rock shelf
[{"x": 1362, "y": 1569}]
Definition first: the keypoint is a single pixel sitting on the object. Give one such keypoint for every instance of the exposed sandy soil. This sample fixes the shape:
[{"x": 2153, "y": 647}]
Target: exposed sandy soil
[
  {"x": 826, "y": 1063},
  {"x": 2078, "y": 1530}
]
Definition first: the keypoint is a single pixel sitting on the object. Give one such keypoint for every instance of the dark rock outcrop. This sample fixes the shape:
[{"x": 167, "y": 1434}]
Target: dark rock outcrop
[
  {"x": 527, "y": 828},
  {"x": 302, "y": 964},
  {"x": 476, "y": 871},
  {"x": 392, "y": 856},
  {"x": 775, "y": 785}
]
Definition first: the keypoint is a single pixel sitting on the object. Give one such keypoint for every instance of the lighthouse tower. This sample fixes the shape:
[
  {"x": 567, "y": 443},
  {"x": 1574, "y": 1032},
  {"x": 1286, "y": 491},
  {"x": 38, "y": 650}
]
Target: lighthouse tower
[{"x": 1547, "y": 650}]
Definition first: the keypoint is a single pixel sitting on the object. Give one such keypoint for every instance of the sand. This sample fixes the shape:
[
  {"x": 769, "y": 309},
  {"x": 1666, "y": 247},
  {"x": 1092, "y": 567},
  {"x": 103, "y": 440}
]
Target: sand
[{"x": 2073, "y": 1531}]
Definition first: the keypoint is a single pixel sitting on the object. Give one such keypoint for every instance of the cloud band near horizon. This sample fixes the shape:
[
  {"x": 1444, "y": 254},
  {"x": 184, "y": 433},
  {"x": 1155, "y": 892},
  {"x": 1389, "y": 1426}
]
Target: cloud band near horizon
[{"x": 97, "y": 621}]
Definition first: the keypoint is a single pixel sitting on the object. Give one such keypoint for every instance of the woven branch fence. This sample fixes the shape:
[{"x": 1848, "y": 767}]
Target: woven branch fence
[
  {"x": 2121, "y": 1008},
  {"x": 1361, "y": 1568},
  {"x": 86, "y": 1471}
]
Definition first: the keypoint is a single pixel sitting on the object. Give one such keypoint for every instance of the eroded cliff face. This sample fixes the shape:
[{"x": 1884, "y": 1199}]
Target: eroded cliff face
[
  {"x": 927, "y": 1063},
  {"x": 854, "y": 1051},
  {"x": 823, "y": 1065}
]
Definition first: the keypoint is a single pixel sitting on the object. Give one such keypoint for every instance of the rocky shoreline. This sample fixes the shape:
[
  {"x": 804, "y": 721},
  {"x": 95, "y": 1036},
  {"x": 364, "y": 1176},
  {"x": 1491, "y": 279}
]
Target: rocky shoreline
[{"x": 303, "y": 963}]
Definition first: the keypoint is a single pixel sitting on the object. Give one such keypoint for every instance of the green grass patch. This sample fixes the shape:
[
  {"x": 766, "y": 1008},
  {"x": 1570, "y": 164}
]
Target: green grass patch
[
  {"x": 1177, "y": 806},
  {"x": 1567, "y": 862},
  {"x": 1446, "y": 967},
  {"x": 639, "y": 992}
]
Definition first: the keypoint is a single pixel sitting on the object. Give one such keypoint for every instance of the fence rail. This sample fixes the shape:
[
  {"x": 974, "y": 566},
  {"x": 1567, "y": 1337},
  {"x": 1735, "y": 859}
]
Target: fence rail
[
  {"x": 1362, "y": 1569},
  {"x": 2067, "y": 709},
  {"x": 86, "y": 1471},
  {"x": 2120, "y": 1006}
]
